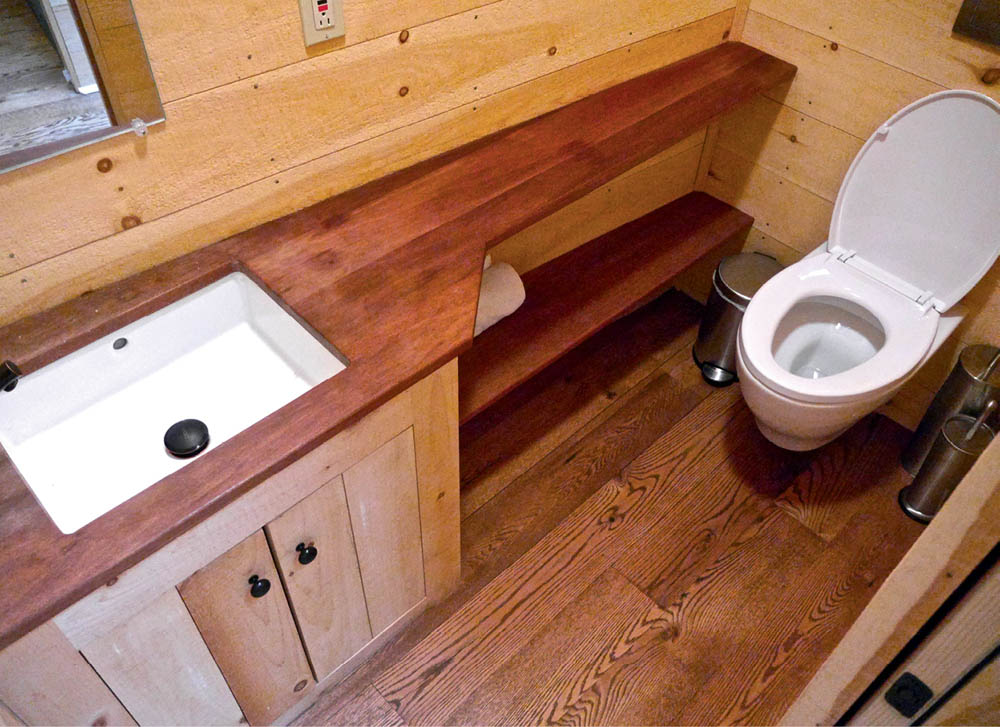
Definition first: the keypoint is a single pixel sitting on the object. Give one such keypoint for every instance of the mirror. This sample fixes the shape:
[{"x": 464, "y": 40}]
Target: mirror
[{"x": 72, "y": 72}]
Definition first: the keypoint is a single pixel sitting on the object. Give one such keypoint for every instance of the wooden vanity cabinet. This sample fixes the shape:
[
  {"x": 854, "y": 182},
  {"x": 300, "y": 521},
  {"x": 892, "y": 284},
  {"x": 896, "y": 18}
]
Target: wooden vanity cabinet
[
  {"x": 241, "y": 611},
  {"x": 314, "y": 547},
  {"x": 294, "y": 583}
]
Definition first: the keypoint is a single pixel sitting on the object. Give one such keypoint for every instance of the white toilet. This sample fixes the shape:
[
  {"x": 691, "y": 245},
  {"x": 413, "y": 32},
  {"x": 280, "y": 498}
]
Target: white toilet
[{"x": 916, "y": 225}]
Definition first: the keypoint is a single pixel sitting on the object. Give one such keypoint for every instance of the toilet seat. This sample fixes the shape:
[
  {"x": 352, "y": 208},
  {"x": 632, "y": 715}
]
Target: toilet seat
[
  {"x": 913, "y": 230},
  {"x": 909, "y": 331}
]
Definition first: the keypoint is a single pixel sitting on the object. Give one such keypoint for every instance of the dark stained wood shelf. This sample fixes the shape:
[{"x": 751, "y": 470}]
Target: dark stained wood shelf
[{"x": 577, "y": 294}]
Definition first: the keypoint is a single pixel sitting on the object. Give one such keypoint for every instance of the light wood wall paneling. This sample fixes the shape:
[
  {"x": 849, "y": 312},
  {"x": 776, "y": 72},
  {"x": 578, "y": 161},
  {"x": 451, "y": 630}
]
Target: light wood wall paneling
[
  {"x": 435, "y": 442},
  {"x": 977, "y": 702},
  {"x": 113, "y": 254},
  {"x": 955, "y": 542},
  {"x": 844, "y": 88},
  {"x": 385, "y": 517},
  {"x": 254, "y": 640},
  {"x": 914, "y": 35},
  {"x": 965, "y": 637},
  {"x": 136, "y": 588},
  {"x": 236, "y": 134},
  {"x": 45, "y": 681},
  {"x": 782, "y": 209},
  {"x": 795, "y": 146},
  {"x": 657, "y": 181},
  {"x": 192, "y": 46},
  {"x": 161, "y": 670},
  {"x": 326, "y": 594}
]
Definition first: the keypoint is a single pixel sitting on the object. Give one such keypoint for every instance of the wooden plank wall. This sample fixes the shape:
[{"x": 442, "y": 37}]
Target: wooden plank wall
[
  {"x": 258, "y": 127},
  {"x": 783, "y": 157}
]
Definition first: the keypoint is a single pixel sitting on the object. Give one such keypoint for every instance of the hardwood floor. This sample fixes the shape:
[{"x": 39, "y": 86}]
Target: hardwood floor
[{"x": 634, "y": 552}]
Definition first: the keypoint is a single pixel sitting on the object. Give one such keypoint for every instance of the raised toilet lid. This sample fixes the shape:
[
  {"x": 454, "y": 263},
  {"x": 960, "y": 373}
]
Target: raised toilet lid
[{"x": 919, "y": 209}]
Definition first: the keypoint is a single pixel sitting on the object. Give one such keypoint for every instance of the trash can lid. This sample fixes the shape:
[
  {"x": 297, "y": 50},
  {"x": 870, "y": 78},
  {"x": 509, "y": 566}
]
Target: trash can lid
[{"x": 740, "y": 276}]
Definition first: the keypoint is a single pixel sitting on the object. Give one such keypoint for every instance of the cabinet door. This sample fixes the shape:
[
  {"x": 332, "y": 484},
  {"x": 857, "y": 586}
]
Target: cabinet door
[
  {"x": 44, "y": 680},
  {"x": 250, "y": 631},
  {"x": 314, "y": 547},
  {"x": 158, "y": 666},
  {"x": 385, "y": 516}
]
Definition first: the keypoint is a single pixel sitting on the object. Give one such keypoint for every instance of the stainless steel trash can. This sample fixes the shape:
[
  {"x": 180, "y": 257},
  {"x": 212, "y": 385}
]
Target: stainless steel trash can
[
  {"x": 735, "y": 281},
  {"x": 970, "y": 385}
]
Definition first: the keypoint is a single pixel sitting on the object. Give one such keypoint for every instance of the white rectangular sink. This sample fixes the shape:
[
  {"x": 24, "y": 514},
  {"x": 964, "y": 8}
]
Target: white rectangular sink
[{"x": 87, "y": 431}]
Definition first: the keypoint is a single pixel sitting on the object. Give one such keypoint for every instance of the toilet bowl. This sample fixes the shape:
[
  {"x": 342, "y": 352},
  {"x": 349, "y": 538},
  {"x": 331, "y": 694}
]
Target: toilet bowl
[{"x": 916, "y": 225}]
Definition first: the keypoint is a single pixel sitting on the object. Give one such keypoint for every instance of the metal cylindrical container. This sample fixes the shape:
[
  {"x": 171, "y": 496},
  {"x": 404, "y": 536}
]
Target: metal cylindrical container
[
  {"x": 950, "y": 457},
  {"x": 735, "y": 281},
  {"x": 969, "y": 386}
]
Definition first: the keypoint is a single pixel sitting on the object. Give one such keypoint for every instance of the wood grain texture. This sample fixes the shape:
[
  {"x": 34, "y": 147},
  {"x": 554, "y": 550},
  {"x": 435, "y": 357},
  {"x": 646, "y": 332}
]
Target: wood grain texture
[
  {"x": 795, "y": 216},
  {"x": 226, "y": 137},
  {"x": 557, "y": 404},
  {"x": 797, "y": 147},
  {"x": 858, "y": 473},
  {"x": 843, "y": 88},
  {"x": 966, "y": 636},
  {"x": 118, "y": 255},
  {"x": 955, "y": 542},
  {"x": 161, "y": 670},
  {"x": 801, "y": 624},
  {"x": 360, "y": 268},
  {"x": 642, "y": 189},
  {"x": 385, "y": 518},
  {"x": 548, "y": 492},
  {"x": 696, "y": 524},
  {"x": 254, "y": 640},
  {"x": 601, "y": 670},
  {"x": 922, "y": 38},
  {"x": 188, "y": 62},
  {"x": 435, "y": 445},
  {"x": 45, "y": 681},
  {"x": 575, "y": 295},
  {"x": 557, "y": 636},
  {"x": 366, "y": 708},
  {"x": 977, "y": 702},
  {"x": 327, "y": 597}
]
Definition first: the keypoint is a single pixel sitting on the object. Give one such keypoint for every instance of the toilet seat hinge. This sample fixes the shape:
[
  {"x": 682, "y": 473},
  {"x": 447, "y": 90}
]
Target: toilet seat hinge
[{"x": 845, "y": 255}]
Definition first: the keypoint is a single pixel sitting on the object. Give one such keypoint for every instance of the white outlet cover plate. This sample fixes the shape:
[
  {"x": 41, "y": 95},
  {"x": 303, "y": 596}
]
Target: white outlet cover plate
[{"x": 313, "y": 36}]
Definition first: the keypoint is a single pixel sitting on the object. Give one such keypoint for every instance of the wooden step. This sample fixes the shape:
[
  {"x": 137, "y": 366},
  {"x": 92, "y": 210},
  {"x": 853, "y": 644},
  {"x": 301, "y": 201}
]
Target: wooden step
[{"x": 577, "y": 294}]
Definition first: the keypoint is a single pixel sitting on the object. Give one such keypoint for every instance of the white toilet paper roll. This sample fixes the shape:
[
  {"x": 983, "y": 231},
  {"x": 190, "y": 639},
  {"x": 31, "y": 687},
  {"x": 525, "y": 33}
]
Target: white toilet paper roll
[{"x": 500, "y": 294}]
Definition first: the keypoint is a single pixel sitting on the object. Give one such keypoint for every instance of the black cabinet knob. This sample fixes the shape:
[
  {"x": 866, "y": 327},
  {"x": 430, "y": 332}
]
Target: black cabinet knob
[
  {"x": 259, "y": 586},
  {"x": 307, "y": 553}
]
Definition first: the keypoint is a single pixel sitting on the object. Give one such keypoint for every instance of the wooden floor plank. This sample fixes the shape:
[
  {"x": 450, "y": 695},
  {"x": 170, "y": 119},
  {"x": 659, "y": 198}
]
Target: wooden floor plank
[
  {"x": 440, "y": 673},
  {"x": 858, "y": 472},
  {"x": 367, "y": 707},
  {"x": 542, "y": 497},
  {"x": 597, "y": 662},
  {"x": 702, "y": 583},
  {"x": 765, "y": 670},
  {"x": 519, "y": 430}
]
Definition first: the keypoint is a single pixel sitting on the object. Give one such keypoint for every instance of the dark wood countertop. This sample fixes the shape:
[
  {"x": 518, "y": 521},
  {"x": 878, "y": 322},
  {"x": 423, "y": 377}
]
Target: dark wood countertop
[{"x": 389, "y": 273}]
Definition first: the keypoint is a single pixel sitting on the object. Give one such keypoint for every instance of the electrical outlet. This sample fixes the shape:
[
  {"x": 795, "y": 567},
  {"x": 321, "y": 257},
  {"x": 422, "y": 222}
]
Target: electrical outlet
[
  {"x": 322, "y": 20},
  {"x": 322, "y": 15}
]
